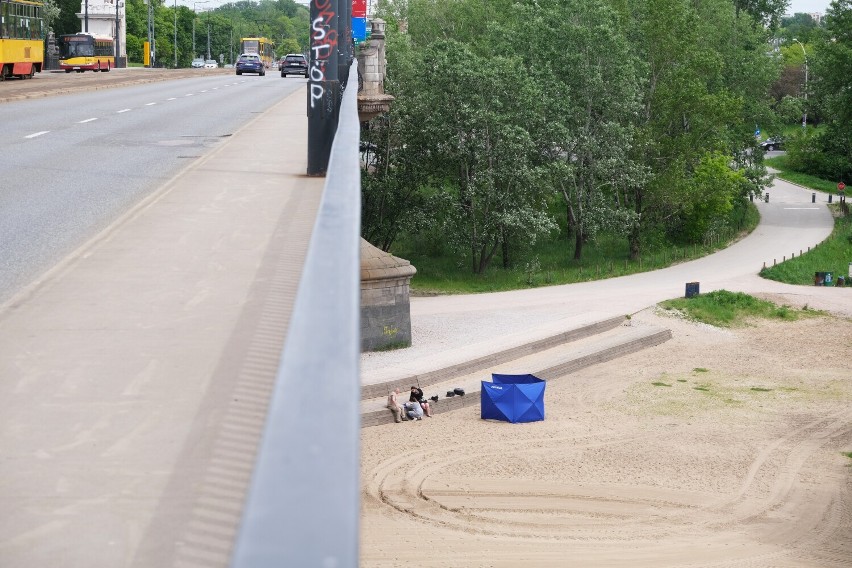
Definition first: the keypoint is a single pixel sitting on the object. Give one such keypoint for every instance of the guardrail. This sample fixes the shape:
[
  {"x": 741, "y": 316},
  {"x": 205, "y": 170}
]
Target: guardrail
[{"x": 304, "y": 500}]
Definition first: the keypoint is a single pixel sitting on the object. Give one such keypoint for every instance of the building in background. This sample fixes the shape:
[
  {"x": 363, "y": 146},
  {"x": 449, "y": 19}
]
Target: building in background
[{"x": 104, "y": 19}]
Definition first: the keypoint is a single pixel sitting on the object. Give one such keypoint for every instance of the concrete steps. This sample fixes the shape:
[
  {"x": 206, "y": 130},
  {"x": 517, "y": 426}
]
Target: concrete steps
[{"x": 555, "y": 351}]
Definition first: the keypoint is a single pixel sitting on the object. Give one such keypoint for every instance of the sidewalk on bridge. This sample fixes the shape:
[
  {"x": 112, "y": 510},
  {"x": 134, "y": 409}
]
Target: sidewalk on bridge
[{"x": 135, "y": 374}]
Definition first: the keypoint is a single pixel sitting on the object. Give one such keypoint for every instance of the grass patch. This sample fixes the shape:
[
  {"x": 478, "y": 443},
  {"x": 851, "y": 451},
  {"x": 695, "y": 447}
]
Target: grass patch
[
  {"x": 700, "y": 388},
  {"x": 805, "y": 180},
  {"x": 729, "y": 309},
  {"x": 681, "y": 380},
  {"x": 848, "y": 455},
  {"x": 549, "y": 262},
  {"x": 700, "y": 370},
  {"x": 832, "y": 255},
  {"x": 761, "y": 389},
  {"x": 660, "y": 384}
]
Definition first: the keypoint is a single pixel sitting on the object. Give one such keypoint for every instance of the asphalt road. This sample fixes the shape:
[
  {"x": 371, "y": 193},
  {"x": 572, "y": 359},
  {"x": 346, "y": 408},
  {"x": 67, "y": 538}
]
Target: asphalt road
[{"x": 84, "y": 148}]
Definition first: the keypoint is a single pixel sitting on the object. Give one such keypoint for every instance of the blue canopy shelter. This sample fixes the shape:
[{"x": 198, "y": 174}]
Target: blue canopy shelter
[{"x": 512, "y": 398}]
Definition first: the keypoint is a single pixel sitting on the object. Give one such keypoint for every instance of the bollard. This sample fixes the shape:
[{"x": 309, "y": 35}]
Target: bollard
[
  {"x": 751, "y": 197},
  {"x": 813, "y": 198},
  {"x": 829, "y": 198},
  {"x": 767, "y": 197}
]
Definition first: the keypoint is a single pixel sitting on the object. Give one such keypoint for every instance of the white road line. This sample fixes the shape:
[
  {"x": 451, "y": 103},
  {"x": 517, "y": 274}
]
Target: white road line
[
  {"x": 149, "y": 104},
  {"x": 189, "y": 94},
  {"x": 171, "y": 98},
  {"x": 37, "y": 134},
  {"x": 87, "y": 120},
  {"x": 122, "y": 110},
  {"x": 204, "y": 91}
]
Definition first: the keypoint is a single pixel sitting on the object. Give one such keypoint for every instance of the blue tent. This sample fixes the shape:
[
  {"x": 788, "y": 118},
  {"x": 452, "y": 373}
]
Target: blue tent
[{"x": 512, "y": 398}]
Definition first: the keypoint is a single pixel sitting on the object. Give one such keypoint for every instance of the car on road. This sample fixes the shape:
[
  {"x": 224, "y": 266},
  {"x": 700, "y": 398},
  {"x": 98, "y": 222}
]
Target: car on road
[
  {"x": 250, "y": 63},
  {"x": 293, "y": 64},
  {"x": 197, "y": 63},
  {"x": 211, "y": 64},
  {"x": 772, "y": 144}
]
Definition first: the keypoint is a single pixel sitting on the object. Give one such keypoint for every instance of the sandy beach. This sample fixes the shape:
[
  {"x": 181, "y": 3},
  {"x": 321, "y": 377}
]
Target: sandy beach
[{"x": 721, "y": 447}]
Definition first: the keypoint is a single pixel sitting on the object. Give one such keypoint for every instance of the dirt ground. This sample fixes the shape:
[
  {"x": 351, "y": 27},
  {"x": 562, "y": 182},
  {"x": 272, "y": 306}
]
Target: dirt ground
[{"x": 717, "y": 448}]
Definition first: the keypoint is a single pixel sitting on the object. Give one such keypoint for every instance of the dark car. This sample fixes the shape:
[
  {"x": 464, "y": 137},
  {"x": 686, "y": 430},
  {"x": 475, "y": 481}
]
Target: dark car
[
  {"x": 294, "y": 64},
  {"x": 772, "y": 144},
  {"x": 250, "y": 63}
]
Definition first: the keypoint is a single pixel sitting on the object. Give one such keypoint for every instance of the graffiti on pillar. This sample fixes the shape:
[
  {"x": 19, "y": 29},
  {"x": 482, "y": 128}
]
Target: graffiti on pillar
[{"x": 323, "y": 44}]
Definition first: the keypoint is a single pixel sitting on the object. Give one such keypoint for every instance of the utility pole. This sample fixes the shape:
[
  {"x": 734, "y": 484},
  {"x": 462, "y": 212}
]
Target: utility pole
[
  {"x": 117, "y": 33},
  {"x": 175, "y": 44},
  {"x": 208, "y": 35},
  {"x": 85, "y": 18},
  {"x": 194, "y": 16}
]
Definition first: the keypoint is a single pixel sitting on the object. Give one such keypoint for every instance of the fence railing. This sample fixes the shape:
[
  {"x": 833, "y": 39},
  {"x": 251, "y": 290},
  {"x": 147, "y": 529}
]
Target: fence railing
[{"x": 304, "y": 500}]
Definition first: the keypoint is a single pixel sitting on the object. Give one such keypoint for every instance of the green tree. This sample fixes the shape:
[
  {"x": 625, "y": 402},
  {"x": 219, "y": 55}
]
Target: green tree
[
  {"x": 468, "y": 118},
  {"x": 707, "y": 78},
  {"x": 832, "y": 66},
  {"x": 588, "y": 75},
  {"x": 67, "y": 22}
]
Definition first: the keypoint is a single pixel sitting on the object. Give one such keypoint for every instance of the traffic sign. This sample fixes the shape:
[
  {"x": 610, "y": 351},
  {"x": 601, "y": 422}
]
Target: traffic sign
[{"x": 841, "y": 186}]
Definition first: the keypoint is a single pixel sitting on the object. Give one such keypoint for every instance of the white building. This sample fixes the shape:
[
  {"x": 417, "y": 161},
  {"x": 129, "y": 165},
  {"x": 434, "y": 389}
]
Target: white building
[{"x": 102, "y": 20}]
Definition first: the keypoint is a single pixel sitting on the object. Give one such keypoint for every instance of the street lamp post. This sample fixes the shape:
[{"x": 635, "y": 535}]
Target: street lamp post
[
  {"x": 208, "y": 34},
  {"x": 175, "y": 44},
  {"x": 117, "y": 34},
  {"x": 194, "y": 14},
  {"x": 805, "y": 114}
]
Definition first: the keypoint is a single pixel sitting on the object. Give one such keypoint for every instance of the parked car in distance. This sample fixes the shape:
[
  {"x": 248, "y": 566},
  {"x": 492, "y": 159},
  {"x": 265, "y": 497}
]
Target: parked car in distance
[
  {"x": 250, "y": 63},
  {"x": 211, "y": 64},
  {"x": 197, "y": 63},
  {"x": 771, "y": 144},
  {"x": 293, "y": 64}
]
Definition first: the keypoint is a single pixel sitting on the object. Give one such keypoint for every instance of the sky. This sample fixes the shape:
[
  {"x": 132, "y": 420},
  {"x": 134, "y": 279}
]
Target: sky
[{"x": 808, "y": 6}]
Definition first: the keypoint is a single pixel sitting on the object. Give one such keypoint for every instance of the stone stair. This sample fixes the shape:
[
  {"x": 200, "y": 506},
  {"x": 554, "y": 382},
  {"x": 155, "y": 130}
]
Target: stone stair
[{"x": 554, "y": 352}]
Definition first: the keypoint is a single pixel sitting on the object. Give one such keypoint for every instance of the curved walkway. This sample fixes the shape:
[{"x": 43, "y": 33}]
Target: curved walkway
[{"x": 471, "y": 326}]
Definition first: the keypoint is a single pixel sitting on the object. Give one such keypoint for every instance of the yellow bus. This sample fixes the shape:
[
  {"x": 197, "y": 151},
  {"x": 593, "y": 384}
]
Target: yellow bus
[
  {"x": 82, "y": 51},
  {"x": 21, "y": 38},
  {"x": 261, "y": 46}
]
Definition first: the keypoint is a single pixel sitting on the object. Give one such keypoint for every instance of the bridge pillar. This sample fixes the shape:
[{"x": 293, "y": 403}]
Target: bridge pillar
[{"x": 385, "y": 304}]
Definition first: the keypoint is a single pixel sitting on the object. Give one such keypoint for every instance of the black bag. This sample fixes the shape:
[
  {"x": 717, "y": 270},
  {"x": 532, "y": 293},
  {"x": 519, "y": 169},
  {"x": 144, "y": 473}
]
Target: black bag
[
  {"x": 459, "y": 391},
  {"x": 450, "y": 393}
]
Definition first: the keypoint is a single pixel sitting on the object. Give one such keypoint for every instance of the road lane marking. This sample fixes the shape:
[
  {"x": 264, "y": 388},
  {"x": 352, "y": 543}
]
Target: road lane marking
[
  {"x": 189, "y": 94},
  {"x": 149, "y": 104},
  {"x": 122, "y": 110},
  {"x": 171, "y": 98},
  {"x": 87, "y": 120},
  {"x": 36, "y": 134}
]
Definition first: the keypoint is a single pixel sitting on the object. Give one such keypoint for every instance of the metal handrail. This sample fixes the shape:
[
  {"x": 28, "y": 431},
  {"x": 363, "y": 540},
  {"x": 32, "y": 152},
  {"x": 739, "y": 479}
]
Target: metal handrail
[{"x": 304, "y": 500}]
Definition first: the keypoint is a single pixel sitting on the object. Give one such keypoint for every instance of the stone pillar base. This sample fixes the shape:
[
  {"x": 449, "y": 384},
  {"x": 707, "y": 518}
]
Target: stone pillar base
[{"x": 385, "y": 304}]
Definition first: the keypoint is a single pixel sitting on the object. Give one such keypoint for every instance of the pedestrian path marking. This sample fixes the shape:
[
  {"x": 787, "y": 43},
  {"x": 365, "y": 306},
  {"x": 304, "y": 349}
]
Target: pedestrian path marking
[{"x": 36, "y": 134}]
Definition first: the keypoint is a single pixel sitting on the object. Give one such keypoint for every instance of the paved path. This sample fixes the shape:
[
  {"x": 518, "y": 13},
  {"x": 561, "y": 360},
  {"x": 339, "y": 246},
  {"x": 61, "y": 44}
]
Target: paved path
[
  {"x": 135, "y": 375},
  {"x": 790, "y": 223}
]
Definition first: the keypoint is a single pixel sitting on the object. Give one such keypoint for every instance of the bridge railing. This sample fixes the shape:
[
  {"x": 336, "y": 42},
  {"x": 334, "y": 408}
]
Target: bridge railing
[{"x": 303, "y": 503}]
